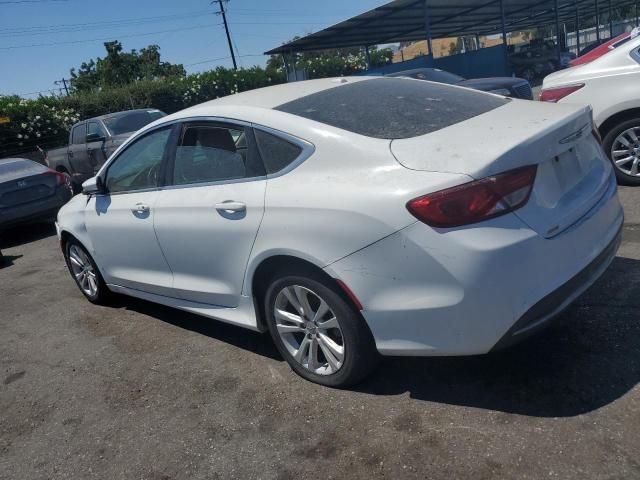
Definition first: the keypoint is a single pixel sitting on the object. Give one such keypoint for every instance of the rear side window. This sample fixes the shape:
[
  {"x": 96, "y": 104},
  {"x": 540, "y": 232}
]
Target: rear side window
[
  {"x": 277, "y": 153},
  {"x": 79, "y": 134},
  {"x": 392, "y": 108},
  {"x": 211, "y": 153}
]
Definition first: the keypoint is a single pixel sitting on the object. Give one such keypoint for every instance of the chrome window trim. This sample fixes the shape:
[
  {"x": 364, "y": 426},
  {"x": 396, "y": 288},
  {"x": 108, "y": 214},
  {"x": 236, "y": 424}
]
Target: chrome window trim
[{"x": 307, "y": 147}]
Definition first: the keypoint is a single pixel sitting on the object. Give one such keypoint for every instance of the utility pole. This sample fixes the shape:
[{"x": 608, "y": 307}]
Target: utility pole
[
  {"x": 226, "y": 29},
  {"x": 62, "y": 81}
]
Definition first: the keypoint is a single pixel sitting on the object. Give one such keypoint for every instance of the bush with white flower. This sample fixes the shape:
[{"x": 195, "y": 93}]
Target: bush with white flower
[{"x": 40, "y": 122}]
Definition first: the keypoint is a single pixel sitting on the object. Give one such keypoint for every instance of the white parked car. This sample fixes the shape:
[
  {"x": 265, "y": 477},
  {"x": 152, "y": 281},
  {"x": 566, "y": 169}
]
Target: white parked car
[
  {"x": 611, "y": 85},
  {"x": 353, "y": 218}
]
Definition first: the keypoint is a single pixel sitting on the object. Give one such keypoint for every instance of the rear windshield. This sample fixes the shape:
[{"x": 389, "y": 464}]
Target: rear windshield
[
  {"x": 11, "y": 167},
  {"x": 432, "y": 75},
  {"x": 131, "y": 121},
  {"x": 392, "y": 108}
]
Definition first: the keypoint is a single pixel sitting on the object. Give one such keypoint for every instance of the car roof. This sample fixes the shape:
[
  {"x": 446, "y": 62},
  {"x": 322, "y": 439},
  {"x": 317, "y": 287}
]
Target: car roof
[
  {"x": 122, "y": 113},
  {"x": 375, "y": 107},
  {"x": 253, "y": 105}
]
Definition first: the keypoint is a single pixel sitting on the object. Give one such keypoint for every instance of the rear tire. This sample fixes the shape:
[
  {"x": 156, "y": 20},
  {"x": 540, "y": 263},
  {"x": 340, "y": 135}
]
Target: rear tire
[
  {"x": 85, "y": 273},
  {"x": 334, "y": 348},
  {"x": 611, "y": 142}
]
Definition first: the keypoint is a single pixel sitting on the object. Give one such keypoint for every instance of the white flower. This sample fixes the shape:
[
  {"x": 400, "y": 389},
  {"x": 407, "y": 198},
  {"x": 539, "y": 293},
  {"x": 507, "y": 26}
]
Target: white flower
[
  {"x": 37, "y": 134},
  {"x": 19, "y": 135},
  {"x": 23, "y": 125}
]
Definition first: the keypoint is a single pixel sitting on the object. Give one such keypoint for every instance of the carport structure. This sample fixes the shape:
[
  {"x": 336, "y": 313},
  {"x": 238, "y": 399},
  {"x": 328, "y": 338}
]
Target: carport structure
[{"x": 411, "y": 20}]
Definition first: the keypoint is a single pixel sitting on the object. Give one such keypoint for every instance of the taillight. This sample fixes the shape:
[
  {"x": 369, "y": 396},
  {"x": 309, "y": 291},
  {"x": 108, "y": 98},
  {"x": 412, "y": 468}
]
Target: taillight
[
  {"x": 61, "y": 178},
  {"x": 475, "y": 201},
  {"x": 553, "y": 95}
]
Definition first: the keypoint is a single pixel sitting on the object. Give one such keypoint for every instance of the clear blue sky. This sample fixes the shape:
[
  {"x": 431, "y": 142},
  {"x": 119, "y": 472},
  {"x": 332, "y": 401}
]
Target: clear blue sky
[{"x": 56, "y": 35}]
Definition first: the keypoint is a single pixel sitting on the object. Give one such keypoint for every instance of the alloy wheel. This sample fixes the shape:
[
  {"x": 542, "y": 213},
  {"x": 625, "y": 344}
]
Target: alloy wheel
[
  {"x": 625, "y": 152},
  {"x": 309, "y": 330},
  {"x": 83, "y": 271}
]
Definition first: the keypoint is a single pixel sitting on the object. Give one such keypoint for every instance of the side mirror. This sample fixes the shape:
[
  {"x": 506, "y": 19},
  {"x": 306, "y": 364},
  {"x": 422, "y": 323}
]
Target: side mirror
[
  {"x": 93, "y": 186},
  {"x": 95, "y": 137}
]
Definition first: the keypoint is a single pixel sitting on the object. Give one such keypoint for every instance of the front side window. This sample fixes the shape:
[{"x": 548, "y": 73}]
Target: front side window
[
  {"x": 79, "y": 134},
  {"x": 138, "y": 166},
  {"x": 211, "y": 153},
  {"x": 95, "y": 128}
]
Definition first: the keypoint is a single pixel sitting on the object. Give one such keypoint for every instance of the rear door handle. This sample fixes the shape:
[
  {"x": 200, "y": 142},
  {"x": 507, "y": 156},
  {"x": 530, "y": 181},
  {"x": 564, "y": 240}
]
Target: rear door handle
[
  {"x": 231, "y": 207},
  {"x": 141, "y": 208}
]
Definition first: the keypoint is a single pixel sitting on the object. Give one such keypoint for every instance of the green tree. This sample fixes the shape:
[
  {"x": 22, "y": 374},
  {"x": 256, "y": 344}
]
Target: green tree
[{"x": 119, "y": 68}]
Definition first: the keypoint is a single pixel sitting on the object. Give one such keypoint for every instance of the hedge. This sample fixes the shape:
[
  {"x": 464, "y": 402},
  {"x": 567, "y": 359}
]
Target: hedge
[{"x": 46, "y": 121}]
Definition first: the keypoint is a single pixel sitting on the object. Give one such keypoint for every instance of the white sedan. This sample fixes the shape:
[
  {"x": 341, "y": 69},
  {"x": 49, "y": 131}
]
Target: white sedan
[
  {"x": 611, "y": 85},
  {"x": 353, "y": 218}
]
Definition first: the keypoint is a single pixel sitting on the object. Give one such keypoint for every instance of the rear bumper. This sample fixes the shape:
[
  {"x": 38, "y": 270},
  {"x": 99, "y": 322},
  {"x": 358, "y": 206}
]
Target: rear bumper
[
  {"x": 550, "y": 307},
  {"x": 467, "y": 291},
  {"x": 36, "y": 210}
]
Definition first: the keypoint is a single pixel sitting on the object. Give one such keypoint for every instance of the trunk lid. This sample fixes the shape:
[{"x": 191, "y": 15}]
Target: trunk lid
[{"x": 573, "y": 171}]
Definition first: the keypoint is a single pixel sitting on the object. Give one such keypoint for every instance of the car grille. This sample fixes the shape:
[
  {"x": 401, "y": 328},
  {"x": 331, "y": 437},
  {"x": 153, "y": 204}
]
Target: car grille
[
  {"x": 25, "y": 195},
  {"x": 524, "y": 91}
]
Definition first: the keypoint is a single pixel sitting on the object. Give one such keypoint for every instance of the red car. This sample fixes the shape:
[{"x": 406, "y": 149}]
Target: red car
[{"x": 606, "y": 47}]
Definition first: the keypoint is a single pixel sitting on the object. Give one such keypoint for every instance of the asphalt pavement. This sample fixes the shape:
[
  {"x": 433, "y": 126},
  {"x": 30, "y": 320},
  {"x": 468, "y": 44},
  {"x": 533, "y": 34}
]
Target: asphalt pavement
[{"x": 140, "y": 391}]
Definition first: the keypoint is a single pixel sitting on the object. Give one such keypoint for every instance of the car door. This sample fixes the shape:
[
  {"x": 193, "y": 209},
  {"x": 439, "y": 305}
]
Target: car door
[
  {"x": 96, "y": 148},
  {"x": 120, "y": 222},
  {"x": 208, "y": 216},
  {"x": 78, "y": 156}
]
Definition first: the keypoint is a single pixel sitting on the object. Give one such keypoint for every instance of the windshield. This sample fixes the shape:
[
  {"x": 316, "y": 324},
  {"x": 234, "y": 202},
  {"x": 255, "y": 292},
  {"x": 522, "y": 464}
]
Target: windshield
[{"x": 130, "y": 121}]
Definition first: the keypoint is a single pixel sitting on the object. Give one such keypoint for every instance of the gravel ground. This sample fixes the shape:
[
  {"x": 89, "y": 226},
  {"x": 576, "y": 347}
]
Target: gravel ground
[{"x": 145, "y": 392}]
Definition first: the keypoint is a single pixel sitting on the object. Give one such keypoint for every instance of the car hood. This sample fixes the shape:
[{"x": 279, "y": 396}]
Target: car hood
[{"x": 492, "y": 83}]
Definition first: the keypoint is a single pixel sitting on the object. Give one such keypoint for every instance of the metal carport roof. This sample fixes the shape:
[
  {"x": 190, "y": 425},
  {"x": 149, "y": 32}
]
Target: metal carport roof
[{"x": 407, "y": 20}]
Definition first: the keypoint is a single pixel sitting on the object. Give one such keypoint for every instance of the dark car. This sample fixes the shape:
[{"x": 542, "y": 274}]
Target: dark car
[
  {"x": 507, "y": 86},
  {"x": 92, "y": 141},
  {"x": 30, "y": 192}
]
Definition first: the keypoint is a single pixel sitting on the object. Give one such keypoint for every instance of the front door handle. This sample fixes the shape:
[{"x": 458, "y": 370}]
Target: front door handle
[
  {"x": 141, "y": 208},
  {"x": 231, "y": 207}
]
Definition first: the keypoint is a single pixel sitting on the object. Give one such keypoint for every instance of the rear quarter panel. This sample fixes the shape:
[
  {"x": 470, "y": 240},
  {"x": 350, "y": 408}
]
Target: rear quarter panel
[{"x": 349, "y": 194}]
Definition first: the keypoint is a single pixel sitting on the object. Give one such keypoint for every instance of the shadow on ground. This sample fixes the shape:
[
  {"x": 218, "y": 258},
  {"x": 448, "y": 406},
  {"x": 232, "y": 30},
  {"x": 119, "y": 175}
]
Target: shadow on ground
[
  {"x": 23, "y": 234},
  {"x": 233, "y": 335},
  {"x": 587, "y": 359},
  {"x": 7, "y": 260}
]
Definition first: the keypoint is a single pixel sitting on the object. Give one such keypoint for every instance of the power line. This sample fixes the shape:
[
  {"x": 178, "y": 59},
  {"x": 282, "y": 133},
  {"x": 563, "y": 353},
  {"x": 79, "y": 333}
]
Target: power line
[
  {"x": 210, "y": 60},
  {"x": 11, "y": 47},
  {"x": 79, "y": 27},
  {"x": 8, "y": 2}
]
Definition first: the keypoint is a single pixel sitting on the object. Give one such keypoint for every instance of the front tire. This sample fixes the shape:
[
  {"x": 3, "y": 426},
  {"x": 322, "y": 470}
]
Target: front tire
[
  {"x": 85, "y": 273},
  {"x": 318, "y": 332},
  {"x": 622, "y": 145}
]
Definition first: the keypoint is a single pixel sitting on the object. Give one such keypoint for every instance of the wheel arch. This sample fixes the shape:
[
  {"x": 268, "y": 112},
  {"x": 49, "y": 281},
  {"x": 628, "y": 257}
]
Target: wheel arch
[
  {"x": 618, "y": 118},
  {"x": 268, "y": 267}
]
